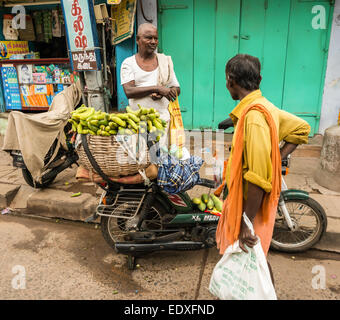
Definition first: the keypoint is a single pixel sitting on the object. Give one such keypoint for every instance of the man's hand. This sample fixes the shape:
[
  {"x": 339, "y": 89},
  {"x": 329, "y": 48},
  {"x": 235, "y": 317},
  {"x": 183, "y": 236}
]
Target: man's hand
[
  {"x": 246, "y": 238},
  {"x": 169, "y": 93},
  {"x": 156, "y": 96},
  {"x": 287, "y": 149}
]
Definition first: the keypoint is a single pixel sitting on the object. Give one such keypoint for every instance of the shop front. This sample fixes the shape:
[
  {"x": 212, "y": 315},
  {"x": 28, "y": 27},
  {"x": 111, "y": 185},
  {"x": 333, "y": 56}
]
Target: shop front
[
  {"x": 34, "y": 61},
  {"x": 64, "y": 40}
]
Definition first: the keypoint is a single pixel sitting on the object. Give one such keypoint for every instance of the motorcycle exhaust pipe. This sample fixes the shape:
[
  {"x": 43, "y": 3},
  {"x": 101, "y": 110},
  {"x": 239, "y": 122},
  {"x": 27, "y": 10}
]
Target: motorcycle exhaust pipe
[{"x": 136, "y": 248}]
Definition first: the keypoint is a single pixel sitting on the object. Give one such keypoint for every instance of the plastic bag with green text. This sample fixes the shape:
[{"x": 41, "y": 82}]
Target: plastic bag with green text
[{"x": 242, "y": 276}]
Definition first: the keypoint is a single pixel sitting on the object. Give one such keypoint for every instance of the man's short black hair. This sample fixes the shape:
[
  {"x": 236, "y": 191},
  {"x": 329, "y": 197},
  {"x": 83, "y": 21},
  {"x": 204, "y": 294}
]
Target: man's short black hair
[{"x": 245, "y": 70}]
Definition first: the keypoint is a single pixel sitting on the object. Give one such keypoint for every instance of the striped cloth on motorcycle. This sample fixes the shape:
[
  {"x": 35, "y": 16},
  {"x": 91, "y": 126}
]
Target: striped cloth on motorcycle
[{"x": 175, "y": 175}]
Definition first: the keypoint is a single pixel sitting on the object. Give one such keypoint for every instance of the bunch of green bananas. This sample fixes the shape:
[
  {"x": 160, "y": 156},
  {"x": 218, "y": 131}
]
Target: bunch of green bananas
[
  {"x": 209, "y": 202},
  {"x": 88, "y": 121}
]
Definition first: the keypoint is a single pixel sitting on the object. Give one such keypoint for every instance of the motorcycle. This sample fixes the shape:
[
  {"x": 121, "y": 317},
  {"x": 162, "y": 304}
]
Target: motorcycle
[
  {"x": 139, "y": 219},
  {"x": 64, "y": 159}
]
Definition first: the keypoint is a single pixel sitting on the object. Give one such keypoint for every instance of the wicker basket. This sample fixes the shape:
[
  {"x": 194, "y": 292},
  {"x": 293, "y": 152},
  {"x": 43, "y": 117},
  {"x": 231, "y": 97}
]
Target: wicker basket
[{"x": 113, "y": 157}]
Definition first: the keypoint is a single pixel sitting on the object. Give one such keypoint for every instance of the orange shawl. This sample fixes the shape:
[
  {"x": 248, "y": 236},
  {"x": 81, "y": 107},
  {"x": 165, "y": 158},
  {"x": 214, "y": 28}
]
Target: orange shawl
[{"x": 228, "y": 228}]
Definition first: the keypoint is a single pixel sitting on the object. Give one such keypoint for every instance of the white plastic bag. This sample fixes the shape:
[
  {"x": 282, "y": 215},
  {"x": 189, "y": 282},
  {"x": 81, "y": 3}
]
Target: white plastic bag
[{"x": 242, "y": 276}]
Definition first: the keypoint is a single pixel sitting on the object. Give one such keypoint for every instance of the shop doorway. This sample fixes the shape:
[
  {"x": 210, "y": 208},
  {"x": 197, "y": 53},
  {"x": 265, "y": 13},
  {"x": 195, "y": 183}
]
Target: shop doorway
[{"x": 202, "y": 35}]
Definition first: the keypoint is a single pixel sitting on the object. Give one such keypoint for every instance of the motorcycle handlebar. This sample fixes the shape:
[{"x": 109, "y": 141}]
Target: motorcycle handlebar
[
  {"x": 225, "y": 124},
  {"x": 207, "y": 183}
]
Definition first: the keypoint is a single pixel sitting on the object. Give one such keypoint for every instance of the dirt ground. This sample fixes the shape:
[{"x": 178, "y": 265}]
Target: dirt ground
[{"x": 69, "y": 260}]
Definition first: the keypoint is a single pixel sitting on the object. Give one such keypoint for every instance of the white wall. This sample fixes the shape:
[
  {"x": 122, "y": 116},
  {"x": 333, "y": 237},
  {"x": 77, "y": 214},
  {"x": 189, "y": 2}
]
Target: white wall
[{"x": 331, "y": 95}]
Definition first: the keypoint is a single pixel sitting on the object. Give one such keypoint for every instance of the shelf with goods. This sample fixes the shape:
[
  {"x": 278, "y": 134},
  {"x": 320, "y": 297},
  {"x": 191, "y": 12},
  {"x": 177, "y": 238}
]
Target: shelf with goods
[
  {"x": 39, "y": 50},
  {"x": 31, "y": 84}
]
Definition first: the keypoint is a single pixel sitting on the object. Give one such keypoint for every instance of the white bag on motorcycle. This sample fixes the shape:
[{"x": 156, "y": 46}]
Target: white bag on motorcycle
[{"x": 242, "y": 276}]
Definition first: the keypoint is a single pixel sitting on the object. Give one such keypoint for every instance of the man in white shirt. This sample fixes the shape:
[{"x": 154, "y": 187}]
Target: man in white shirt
[{"x": 148, "y": 78}]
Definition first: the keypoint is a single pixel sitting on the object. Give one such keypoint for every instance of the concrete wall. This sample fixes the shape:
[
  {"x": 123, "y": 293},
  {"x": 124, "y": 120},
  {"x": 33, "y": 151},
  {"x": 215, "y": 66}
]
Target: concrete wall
[{"x": 331, "y": 96}]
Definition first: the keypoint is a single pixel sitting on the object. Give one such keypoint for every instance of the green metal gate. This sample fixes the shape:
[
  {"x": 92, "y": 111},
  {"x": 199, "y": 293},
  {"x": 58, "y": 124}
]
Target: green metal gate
[{"x": 202, "y": 35}]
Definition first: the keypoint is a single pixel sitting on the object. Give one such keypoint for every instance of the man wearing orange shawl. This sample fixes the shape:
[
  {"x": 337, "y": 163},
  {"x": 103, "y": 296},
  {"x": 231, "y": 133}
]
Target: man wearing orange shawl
[{"x": 253, "y": 170}]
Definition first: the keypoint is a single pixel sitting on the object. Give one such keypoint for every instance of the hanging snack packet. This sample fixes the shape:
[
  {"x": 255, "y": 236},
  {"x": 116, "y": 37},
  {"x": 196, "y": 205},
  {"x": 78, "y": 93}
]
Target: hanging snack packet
[{"x": 176, "y": 132}]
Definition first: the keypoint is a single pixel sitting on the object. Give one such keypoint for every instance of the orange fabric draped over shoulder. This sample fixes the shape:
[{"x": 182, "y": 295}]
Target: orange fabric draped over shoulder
[{"x": 229, "y": 225}]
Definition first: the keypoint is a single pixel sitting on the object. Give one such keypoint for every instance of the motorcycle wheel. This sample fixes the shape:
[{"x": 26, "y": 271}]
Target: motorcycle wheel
[
  {"x": 29, "y": 180},
  {"x": 116, "y": 229},
  {"x": 310, "y": 222}
]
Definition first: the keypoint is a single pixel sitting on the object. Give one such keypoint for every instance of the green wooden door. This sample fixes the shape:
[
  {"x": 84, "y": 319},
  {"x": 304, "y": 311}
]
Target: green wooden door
[
  {"x": 227, "y": 45},
  {"x": 202, "y": 36},
  {"x": 176, "y": 29},
  {"x": 264, "y": 31},
  {"x": 306, "y": 60},
  {"x": 200, "y": 40}
]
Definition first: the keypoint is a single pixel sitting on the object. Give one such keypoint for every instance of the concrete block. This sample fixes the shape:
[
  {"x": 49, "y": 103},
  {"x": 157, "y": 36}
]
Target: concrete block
[
  {"x": 20, "y": 199},
  {"x": 60, "y": 204},
  {"x": 7, "y": 193},
  {"x": 328, "y": 172}
]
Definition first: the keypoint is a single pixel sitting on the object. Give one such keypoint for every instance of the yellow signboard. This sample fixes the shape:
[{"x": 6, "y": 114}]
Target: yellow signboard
[
  {"x": 8, "y": 48},
  {"x": 113, "y": 1},
  {"x": 123, "y": 16}
]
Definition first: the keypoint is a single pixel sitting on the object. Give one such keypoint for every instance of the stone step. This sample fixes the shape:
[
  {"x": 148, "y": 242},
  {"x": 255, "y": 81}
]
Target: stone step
[{"x": 59, "y": 204}]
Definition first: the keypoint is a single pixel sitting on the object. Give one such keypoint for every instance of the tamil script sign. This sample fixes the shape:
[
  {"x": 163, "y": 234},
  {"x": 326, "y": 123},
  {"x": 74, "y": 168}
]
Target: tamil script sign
[
  {"x": 82, "y": 34},
  {"x": 84, "y": 60},
  {"x": 9, "y": 48}
]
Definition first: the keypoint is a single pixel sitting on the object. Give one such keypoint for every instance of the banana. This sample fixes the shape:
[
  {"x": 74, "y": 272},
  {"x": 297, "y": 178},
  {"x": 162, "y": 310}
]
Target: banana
[
  {"x": 81, "y": 109},
  {"x": 86, "y": 114},
  {"x": 210, "y": 203},
  {"x": 113, "y": 125},
  {"x": 133, "y": 124},
  {"x": 149, "y": 122},
  {"x": 143, "y": 111},
  {"x": 123, "y": 116},
  {"x": 94, "y": 122},
  {"x": 151, "y": 116},
  {"x": 205, "y": 198},
  {"x": 133, "y": 117},
  {"x": 202, "y": 206},
  {"x": 119, "y": 121},
  {"x": 196, "y": 200},
  {"x": 157, "y": 124},
  {"x": 92, "y": 127},
  {"x": 130, "y": 111},
  {"x": 218, "y": 203}
]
